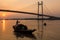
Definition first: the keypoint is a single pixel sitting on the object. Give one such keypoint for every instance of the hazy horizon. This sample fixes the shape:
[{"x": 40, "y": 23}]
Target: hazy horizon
[{"x": 29, "y": 6}]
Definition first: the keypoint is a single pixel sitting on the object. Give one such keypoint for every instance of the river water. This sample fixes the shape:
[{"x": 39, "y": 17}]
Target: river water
[{"x": 50, "y": 32}]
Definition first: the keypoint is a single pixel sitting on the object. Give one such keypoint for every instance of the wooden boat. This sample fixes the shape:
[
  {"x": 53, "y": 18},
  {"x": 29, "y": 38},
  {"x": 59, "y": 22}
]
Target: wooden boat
[
  {"x": 22, "y": 29},
  {"x": 22, "y": 35}
]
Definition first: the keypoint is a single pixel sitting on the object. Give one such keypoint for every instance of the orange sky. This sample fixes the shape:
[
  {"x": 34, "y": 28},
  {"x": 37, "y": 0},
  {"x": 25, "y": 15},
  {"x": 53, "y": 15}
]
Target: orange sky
[{"x": 29, "y": 5}]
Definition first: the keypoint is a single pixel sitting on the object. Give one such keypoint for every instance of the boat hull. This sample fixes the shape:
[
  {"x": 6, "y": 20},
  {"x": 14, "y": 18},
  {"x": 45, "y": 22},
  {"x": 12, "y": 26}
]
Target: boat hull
[{"x": 25, "y": 31}]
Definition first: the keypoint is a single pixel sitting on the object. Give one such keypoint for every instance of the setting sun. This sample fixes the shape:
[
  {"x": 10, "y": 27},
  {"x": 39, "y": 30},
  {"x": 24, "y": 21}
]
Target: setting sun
[{"x": 3, "y": 14}]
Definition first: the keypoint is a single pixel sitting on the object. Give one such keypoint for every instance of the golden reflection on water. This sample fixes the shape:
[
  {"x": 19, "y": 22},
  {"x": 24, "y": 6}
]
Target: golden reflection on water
[{"x": 3, "y": 24}]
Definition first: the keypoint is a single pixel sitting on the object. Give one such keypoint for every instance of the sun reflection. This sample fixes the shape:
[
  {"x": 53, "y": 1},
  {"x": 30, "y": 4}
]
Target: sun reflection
[{"x": 3, "y": 21}]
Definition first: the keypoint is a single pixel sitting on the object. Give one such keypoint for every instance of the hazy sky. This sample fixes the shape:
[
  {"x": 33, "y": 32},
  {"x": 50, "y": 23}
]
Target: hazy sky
[{"x": 29, "y": 5}]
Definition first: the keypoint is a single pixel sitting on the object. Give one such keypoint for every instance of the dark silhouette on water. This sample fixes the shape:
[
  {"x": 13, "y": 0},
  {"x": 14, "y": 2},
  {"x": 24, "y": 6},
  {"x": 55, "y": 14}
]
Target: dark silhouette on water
[
  {"x": 22, "y": 28},
  {"x": 44, "y": 24},
  {"x": 22, "y": 35}
]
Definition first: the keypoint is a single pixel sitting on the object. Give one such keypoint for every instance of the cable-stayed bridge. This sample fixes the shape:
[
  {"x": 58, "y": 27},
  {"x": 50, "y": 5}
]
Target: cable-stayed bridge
[{"x": 49, "y": 17}]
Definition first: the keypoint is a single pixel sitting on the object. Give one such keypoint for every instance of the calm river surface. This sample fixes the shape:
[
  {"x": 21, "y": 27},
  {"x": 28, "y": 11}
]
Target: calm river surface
[{"x": 51, "y": 31}]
